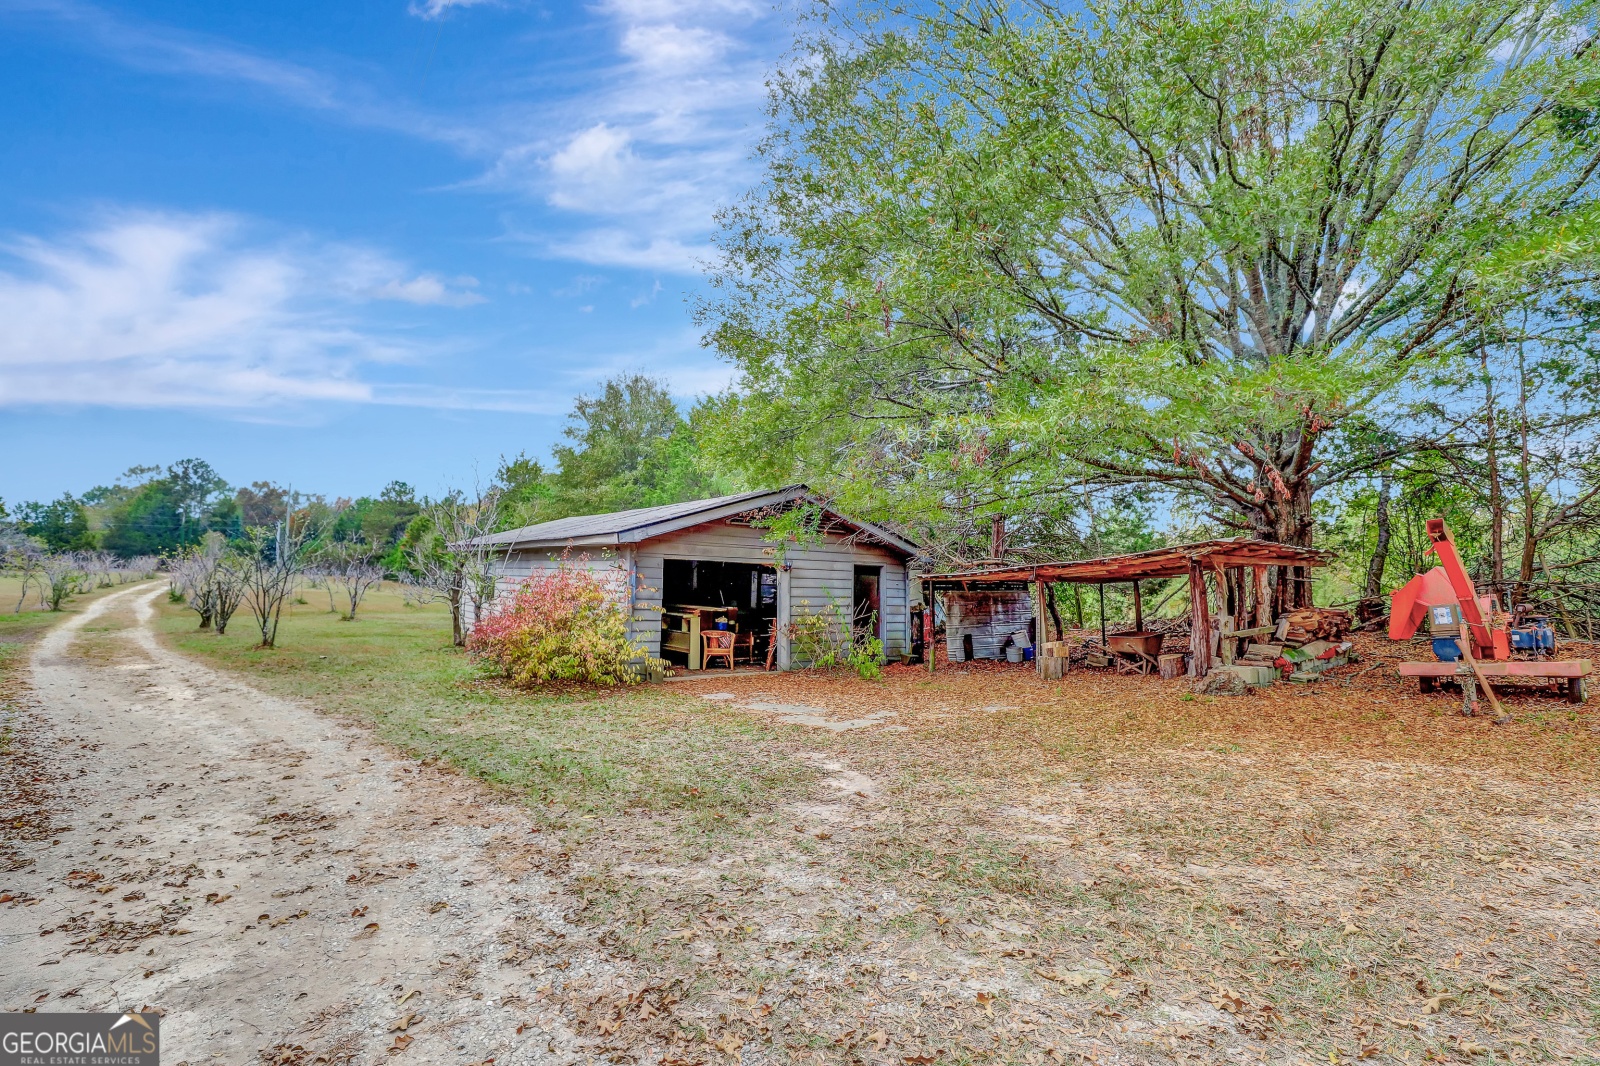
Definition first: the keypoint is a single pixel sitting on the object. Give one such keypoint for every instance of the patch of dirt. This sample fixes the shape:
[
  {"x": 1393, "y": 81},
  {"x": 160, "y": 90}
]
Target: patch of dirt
[
  {"x": 280, "y": 886},
  {"x": 1347, "y": 868}
]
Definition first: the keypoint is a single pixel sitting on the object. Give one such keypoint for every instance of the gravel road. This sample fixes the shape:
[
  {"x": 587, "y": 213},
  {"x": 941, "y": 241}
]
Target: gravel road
[{"x": 283, "y": 888}]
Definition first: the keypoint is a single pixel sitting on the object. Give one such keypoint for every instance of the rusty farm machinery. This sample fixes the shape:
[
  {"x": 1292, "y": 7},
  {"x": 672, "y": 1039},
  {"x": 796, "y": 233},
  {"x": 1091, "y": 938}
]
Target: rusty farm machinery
[{"x": 1474, "y": 639}]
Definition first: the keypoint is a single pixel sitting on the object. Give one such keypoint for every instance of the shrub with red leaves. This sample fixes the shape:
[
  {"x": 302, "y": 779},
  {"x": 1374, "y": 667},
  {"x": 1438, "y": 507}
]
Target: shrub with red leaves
[{"x": 557, "y": 626}]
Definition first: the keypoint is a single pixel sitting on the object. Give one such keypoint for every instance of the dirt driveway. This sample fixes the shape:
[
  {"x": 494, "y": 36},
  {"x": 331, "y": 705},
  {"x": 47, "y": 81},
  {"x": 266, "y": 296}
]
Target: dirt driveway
[{"x": 280, "y": 887}]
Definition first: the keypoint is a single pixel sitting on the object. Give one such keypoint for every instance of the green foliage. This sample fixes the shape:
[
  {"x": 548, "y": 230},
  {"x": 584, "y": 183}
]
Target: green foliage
[
  {"x": 262, "y": 504},
  {"x": 1003, "y": 254},
  {"x": 525, "y": 490},
  {"x": 165, "y": 514},
  {"x": 819, "y": 638},
  {"x": 629, "y": 448},
  {"x": 866, "y": 658},
  {"x": 823, "y": 638},
  {"x": 61, "y": 525},
  {"x": 379, "y": 524}
]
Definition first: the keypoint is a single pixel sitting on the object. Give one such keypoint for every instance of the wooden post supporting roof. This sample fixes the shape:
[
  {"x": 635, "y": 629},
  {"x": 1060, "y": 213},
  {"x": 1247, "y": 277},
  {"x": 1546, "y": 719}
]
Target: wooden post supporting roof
[
  {"x": 928, "y": 650},
  {"x": 1138, "y": 608},
  {"x": 1200, "y": 621},
  {"x": 1041, "y": 632},
  {"x": 1103, "y": 645}
]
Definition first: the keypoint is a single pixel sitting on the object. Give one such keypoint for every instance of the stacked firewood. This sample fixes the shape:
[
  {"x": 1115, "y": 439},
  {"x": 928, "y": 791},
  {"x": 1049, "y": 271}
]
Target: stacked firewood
[{"x": 1306, "y": 624}]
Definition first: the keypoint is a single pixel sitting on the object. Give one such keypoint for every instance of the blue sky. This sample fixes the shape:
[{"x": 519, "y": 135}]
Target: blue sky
[{"x": 332, "y": 244}]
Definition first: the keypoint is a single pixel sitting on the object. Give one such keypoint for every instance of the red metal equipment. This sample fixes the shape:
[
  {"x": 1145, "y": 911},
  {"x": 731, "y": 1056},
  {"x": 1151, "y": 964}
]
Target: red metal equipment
[{"x": 1446, "y": 597}]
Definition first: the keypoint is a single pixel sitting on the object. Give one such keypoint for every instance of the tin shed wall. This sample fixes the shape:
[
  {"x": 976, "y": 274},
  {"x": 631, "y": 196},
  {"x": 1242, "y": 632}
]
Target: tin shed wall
[{"x": 990, "y": 617}]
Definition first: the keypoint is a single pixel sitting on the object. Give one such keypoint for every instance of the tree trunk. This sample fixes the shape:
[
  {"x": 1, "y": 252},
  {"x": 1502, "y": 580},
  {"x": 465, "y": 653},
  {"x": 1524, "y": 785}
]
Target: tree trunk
[
  {"x": 1497, "y": 505},
  {"x": 1529, "y": 529},
  {"x": 456, "y": 634},
  {"x": 1380, "y": 551}
]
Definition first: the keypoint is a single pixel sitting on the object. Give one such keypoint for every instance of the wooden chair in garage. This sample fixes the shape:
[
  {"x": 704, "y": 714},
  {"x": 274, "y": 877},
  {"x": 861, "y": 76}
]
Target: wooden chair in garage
[{"x": 718, "y": 645}]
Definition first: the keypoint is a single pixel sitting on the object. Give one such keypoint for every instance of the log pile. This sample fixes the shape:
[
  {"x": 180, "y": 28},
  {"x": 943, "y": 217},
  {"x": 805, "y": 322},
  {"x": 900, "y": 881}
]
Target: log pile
[{"x": 1306, "y": 624}]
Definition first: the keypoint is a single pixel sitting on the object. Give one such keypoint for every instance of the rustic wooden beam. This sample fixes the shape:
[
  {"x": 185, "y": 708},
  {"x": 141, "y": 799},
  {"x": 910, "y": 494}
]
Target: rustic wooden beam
[
  {"x": 1258, "y": 576},
  {"x": 1040, "y": 632},
  {"x": 1200, "y": 621},
  {"x": 1103, "y": 645},
  {"x": 1138, "y": 608}
]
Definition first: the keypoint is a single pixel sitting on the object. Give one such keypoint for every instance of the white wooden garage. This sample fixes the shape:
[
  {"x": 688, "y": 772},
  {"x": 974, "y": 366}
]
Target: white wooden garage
[{"x": 687, "y": 567}]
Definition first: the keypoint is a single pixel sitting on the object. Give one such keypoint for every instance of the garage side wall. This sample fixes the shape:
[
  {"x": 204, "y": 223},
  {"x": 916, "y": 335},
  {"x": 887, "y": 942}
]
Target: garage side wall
[
  {"x": 823, "y": 578},
  {"x": 607, "y": 564}
]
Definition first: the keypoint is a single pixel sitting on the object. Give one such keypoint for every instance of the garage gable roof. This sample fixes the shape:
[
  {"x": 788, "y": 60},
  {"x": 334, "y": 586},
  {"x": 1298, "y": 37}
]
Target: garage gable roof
[{"x": 644, "y": 523}]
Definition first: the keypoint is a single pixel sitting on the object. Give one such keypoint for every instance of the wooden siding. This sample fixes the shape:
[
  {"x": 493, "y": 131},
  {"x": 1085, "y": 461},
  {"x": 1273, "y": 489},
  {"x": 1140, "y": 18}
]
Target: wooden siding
[
  {"x": 517, "y": 566},
  {"x": 817, "y": 572}
]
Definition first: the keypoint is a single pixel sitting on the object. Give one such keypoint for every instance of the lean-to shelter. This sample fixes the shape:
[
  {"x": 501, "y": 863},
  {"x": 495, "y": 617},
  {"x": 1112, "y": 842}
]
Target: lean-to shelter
[{"x": 1238, "y": 568}]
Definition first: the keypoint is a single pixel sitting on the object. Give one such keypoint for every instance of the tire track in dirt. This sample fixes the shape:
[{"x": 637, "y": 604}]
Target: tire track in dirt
[{"x": 280, "y": 886}]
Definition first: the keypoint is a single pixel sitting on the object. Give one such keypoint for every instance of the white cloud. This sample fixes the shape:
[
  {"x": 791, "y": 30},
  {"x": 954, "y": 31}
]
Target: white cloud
[
  {"x": 592, "y": 169},
  {"x": 671, "y": 47},
  {"x": 644, "y": 160},
  {"x": 430, "y": 289},
  {"x": 166, "y": 310},
  {"x": 647, "y": 297},
  {"x": 640, "y": 159},
  {"x": 630, "y": 248},
  {"x": 435, "y": 9}
]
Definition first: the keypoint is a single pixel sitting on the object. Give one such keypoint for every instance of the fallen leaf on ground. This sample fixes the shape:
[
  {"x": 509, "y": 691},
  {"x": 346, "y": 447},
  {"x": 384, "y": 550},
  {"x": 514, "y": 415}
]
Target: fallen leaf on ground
[{"x": 1433, "y": 1005}]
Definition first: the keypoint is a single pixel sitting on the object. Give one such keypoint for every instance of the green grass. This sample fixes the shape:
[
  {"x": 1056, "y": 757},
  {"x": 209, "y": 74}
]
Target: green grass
[
  {"x": 573, "y": 751},
  {"x": 19, "y": 629}
]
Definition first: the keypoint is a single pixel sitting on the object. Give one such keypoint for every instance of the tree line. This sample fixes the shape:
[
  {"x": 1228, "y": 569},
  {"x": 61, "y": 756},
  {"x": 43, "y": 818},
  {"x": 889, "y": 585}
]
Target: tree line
[{"x": 225, "y": 549}]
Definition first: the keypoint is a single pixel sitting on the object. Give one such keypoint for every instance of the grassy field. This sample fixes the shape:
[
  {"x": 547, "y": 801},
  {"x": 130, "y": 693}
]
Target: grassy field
[
  {"x": 1005, "y": 870},
  {"x": 18, "y": 629}
]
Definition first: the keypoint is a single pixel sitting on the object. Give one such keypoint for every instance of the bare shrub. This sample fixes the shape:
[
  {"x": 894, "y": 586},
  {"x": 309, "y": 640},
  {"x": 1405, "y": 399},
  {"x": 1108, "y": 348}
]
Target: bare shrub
[
  {"x": 60, "y": 577},
  {"x": 272, "y": 564},
  {"x": 452, "y": 561},
  {"x": 349, "y": 570}
]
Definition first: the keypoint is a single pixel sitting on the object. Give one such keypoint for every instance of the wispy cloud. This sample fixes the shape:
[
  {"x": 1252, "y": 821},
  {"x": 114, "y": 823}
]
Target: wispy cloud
[
  {"x": 148, "y": 46},
  {"x": 191, "y": 311},
  {"x": 634, "y": 163},
  {"x": 643, "y": 161},
  {"x": 437, "y": 9}
]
